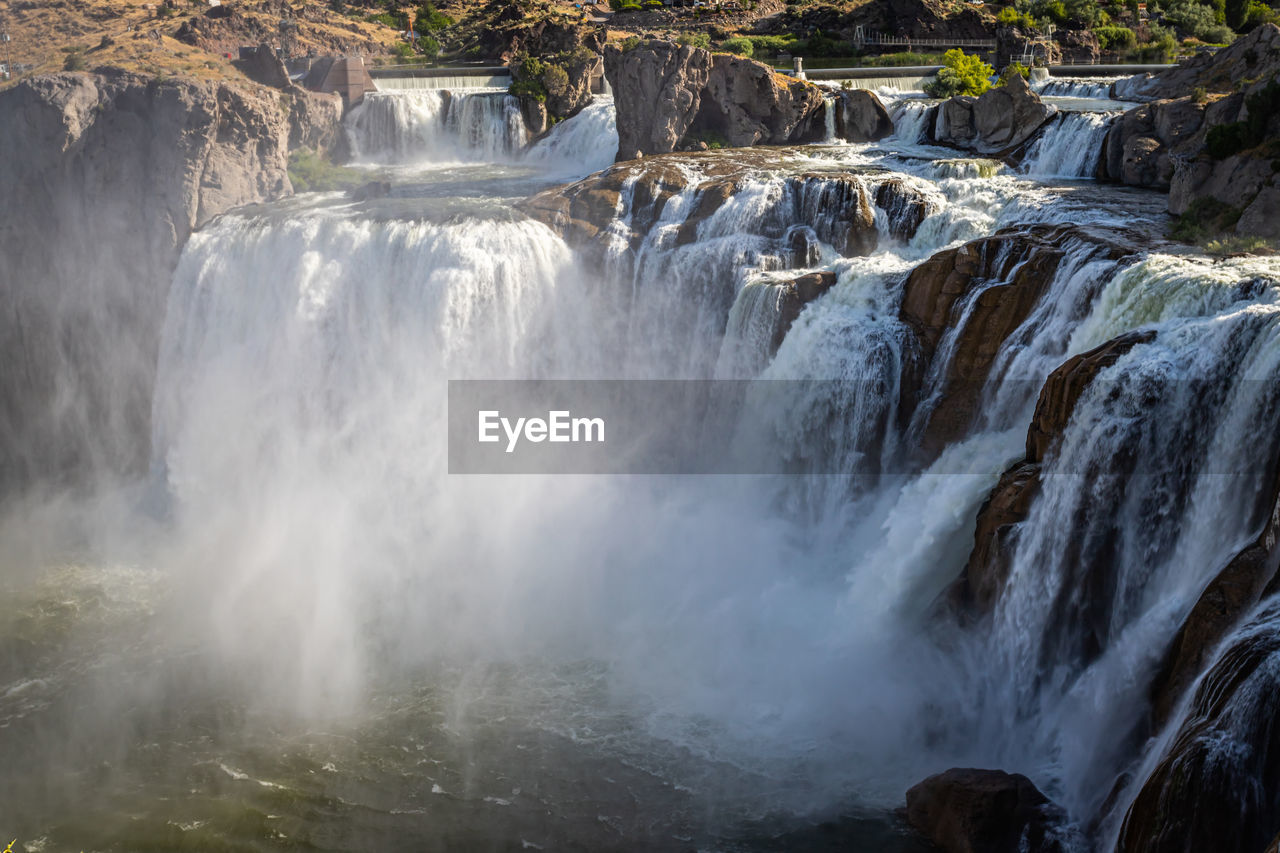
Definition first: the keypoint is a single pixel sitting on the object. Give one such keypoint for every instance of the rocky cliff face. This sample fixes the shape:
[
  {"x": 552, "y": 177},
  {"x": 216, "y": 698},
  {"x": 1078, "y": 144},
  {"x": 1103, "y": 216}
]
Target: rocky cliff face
[
  {"x": 116, "y": 171},
  {"x": 670, "y": 97},
  {"x": 861, "y": 116},
  {"x": 996, "y": 123},
  {"x": 1217, "y": 146},
  {"x": 966, "y": 810}
]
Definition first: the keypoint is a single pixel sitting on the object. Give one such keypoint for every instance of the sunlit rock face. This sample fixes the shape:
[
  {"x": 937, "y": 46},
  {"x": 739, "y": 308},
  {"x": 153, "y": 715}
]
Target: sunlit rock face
[{"x": 117, "y": 170}]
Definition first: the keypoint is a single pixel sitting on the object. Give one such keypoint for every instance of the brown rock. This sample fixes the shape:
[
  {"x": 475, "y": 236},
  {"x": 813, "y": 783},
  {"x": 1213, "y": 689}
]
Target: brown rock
[
  {"x": 657, "y": 90},
  {"x": 984, "y": 811},
  {"x": 1023, "y": 263},
  {"x": 861, "y": 117},
  {"x": 668, "y": 96},
  {"x": 1217, "y": 786}
]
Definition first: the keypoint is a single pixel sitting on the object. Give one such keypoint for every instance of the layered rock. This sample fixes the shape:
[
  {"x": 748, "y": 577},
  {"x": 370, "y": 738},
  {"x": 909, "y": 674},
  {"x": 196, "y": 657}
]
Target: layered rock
[
  {"x": 1217, "y": 783},
  {"x": 793, "y": 296},
  {"x": 1009, "y": 272},
  {"x": 669, "y": 97},
  {"x": 1252, "y": 574},
  {"x": 116, "y": 172},
  {"x": 835, "y": 208},
  {"x": 987, "y": 570},
  {"x": 996, "y": 123},
  {"x": 861, "y": 117},
  {"x": 984, "y": 811}
]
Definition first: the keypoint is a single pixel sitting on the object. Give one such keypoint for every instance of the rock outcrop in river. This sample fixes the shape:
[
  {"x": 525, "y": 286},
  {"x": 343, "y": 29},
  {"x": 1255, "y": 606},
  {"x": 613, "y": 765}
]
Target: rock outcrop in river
[
  {"x": 995, "y": 123},
  {"x": 116, "y": 172},
  {"x": 670, "y": 97}
]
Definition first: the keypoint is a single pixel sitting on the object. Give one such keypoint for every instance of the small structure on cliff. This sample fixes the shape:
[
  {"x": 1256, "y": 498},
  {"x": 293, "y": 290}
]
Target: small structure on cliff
[{"x": 345, "y": 75}]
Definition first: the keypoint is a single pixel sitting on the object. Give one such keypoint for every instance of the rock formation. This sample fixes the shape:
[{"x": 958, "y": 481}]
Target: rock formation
[
  {"x": 995, "y": 123},
  {"x": 861, "y": 117},
  {"x": 670, "y": 96},
  {"x": 1217, "y": 785},
  {"x": 984, "y": 811},
  {"x": 1251, "y": 575},
  {"x": 837, "y": 208},
  {"x": 1012, "y": 268},
  {"x": 985, "y": 573},
  {"x": 117, "y": 170},
  {"x": 1166, "y": 144}
]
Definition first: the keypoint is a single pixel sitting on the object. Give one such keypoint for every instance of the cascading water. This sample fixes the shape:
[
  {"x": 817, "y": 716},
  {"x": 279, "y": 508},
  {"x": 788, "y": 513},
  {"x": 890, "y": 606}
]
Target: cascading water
[
  {"x": 1075, "y": 87},
  {"x": 1070, "y": 147},
  {"x": 436, "y": 125},
  {"x": 338, "y": 642},
  {"x": 583, "y": 144}
]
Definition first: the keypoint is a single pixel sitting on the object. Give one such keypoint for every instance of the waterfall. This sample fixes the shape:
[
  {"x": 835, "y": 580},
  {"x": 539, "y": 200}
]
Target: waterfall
[
  {"x": 1149, "y": 492},
  {"x": 1075, "y": 87},
  {"x": 1070, "y": 147},
  {"x": 580, "y": 145},
  {"x": 829, "y": 119},
  {"x": 911, "y": 120},
  {"x": 436, "y": 125}
]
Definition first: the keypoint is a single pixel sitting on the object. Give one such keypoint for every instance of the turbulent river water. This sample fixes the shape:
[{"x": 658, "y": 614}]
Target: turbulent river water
[{"x": 300, "y": 631}]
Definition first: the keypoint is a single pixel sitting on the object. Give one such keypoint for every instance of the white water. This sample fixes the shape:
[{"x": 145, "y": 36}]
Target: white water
[
  {"x": 732, "y": 634},
  {"x": 433, "y": 126},
  {"x": 1070, "y": 147},
  {"x": 580, "y": 145},
  {"x": 1075, "y": 87}
]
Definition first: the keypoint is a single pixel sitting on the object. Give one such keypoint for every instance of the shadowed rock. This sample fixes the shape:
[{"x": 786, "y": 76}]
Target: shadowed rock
[
  {"x": 984, "y": 811},
  {"x": 995, "y": 123}
]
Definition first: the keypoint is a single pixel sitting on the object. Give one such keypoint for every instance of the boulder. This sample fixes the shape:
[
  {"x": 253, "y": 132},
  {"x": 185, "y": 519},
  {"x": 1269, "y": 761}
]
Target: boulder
[
  {"x": 984, "y": 811},
  {"x": 262, "y": 65},
  {"x": 749, "y": 103},
  {"x": 861, "y": 116},
  {"x": 669, "y": 97},
  {"x": 995, "y": 123}
]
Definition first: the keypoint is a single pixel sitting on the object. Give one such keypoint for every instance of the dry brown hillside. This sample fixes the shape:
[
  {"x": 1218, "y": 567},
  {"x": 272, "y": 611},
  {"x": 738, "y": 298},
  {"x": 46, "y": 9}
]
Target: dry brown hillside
[{"x": 178, "y": 37}]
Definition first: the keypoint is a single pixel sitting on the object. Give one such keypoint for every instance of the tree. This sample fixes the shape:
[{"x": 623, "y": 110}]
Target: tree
[{"x": 961, "y": 74}]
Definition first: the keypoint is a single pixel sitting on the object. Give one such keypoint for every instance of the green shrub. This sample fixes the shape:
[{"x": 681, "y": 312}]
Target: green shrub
[
  {"x": 740, "y": 45},
  {"x": 694, "y": 39},
  {"x": 898, "y": 60},
  {"x": 1225, "y": 140},
  {"x": 555, "y": 80},
  {"x": 961, "y": 74},
  {"x": 75, "y": 61},
  {"x": 309, "y": 172},
  {"x": 1162, "y": 47},
  {"x": 1011, "y": 17},
  {"x": 429, "y": 48},
  {"x": 428, "y": 19},
  {"x": 1205, "y": 219},
  {"x": 1116, "y": 38},
  {"x": 774, "y": 45},
  {"x": 630, "y": 43},
  {"x": 652, "y": 4},
  {"x": 1014, "y": 69}
]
